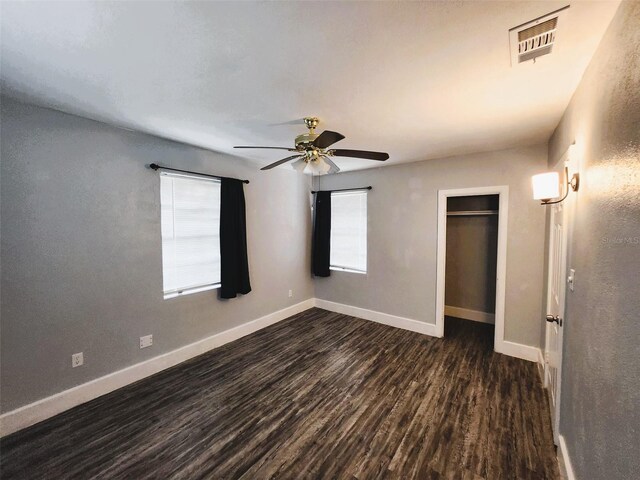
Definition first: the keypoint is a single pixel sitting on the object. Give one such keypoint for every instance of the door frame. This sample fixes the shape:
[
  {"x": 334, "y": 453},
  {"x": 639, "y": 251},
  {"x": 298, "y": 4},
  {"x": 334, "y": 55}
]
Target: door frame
[{"x": 501, "y": 268}]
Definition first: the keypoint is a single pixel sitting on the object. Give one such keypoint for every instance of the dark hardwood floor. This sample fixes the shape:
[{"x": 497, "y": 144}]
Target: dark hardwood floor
[{"x": 320, "y": 395}]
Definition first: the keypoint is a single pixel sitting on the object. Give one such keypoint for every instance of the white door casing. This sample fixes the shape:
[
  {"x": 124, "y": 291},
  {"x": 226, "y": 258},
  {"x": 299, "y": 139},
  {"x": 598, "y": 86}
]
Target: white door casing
[{"x": 501, "y": 269}]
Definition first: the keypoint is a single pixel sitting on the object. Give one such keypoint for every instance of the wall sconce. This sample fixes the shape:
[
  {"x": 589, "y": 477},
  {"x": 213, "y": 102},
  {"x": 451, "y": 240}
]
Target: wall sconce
[{"x": 546, "y": 186}]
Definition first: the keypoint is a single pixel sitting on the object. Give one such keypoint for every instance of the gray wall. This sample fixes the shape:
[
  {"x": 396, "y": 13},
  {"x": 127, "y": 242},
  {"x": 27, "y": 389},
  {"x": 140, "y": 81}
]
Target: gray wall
[
  {"x": 81, "y": 250},
  {"x": 600, "y": 403},
  {"x": 402, "y": 237}
]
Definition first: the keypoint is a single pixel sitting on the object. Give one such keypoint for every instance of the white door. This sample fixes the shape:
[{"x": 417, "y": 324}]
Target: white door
[{"x": 555, "y": 310}]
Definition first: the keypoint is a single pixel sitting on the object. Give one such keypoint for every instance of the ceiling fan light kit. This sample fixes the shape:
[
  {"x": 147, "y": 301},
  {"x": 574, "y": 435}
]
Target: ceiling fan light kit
[{"x": 313, "y": 154}]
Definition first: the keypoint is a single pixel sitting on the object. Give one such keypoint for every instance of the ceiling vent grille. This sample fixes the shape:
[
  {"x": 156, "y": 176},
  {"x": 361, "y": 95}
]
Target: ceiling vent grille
[{"x": 534, "y": 39}]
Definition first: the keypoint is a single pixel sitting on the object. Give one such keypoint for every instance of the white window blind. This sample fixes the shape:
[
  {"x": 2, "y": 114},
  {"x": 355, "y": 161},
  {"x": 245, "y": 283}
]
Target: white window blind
[
  {"x": 349, "y": 231},
  {"x": 190, "y": 219}
]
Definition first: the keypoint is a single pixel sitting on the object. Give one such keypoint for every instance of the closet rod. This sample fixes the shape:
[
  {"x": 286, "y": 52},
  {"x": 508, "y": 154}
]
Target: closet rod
[
  {"x": 472, "y": 212},
  {"x": 155, "y": 166}
]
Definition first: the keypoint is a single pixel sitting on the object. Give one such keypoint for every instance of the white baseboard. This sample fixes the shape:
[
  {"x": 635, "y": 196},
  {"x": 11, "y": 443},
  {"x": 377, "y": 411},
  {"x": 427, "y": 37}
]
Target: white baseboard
[
  {"x": 468, "y": 314},
  {"x": 379, "y": 317},
  {"x": 565, "y": 457},
  {"x": 518, "y": 350},
  {"x": 512, "y": 349},
  {"x": 48, "y": 407}
]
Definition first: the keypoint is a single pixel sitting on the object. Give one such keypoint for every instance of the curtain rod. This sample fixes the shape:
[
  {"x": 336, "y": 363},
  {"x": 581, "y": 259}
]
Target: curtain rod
[
  {"x": 155, "y": 166},
  {"x": 344, "y": 189}
]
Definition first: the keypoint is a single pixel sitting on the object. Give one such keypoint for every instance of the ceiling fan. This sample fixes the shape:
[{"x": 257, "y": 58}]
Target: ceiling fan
[{"x": 312, "y": 152}]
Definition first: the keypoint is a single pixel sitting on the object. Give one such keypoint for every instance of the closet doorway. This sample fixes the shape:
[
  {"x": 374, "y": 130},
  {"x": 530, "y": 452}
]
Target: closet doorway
[{"x": 472, "y": 233}]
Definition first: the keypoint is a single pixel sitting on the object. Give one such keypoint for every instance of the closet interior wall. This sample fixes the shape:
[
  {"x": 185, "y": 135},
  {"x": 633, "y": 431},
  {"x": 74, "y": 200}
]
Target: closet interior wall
[{"x": 472, "y": 246}]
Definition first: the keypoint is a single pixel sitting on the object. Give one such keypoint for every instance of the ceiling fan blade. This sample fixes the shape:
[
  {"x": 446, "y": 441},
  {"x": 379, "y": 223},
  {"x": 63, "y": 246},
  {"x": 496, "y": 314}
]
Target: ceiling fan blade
[
  {"x": 327, "y": 138},
  {"x": 334, "y": 168},
  {"x": 381, "y": 156},
  {"x": 270, "y": 148},
  {"x": 280, "y": 162}
]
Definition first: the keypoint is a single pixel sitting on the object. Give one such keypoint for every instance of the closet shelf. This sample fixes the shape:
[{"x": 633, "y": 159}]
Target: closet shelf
[{"x": 472, "y": 212}]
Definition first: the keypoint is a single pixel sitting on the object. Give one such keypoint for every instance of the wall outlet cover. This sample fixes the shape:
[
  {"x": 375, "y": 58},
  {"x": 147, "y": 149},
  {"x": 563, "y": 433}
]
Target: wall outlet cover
[
  {"x": 146, "y": 341},
  {"x": 571, "y": 279},
  {"x": 77, "y": 359}
]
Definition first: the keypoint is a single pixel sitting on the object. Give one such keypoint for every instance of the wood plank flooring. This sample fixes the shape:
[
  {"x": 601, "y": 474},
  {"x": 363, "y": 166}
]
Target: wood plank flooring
[{"x": 319, "y": 395}]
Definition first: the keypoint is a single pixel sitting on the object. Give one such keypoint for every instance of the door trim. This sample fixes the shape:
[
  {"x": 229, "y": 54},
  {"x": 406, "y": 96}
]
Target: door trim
[{"x": 501, "y": 268}]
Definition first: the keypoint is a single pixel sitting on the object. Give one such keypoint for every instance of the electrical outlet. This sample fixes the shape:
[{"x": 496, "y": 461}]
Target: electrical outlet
[
  {"x": 77, "y": 359},
  {"x": 571, "y": 280},
  {"x": 290, "y": 293},
  {"x": 146, "y": 341}
]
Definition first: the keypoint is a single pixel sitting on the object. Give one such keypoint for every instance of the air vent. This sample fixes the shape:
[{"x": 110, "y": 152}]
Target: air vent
[{"x": 535, "y": 38}]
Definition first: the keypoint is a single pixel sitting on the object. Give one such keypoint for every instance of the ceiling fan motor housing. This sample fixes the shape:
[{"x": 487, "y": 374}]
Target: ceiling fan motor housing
[{"x": 305, "y": 140}]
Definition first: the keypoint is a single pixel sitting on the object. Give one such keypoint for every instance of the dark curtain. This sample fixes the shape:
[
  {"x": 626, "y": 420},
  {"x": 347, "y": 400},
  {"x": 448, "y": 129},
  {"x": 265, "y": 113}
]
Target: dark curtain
[
  {"x": 321, "y": 235},
  {"x": 234, "y": 266}
]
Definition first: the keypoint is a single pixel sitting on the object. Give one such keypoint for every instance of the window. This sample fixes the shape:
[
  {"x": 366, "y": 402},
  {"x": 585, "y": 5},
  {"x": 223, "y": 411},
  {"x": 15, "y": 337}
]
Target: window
[
  {"x": 190, "y": 219},
  {"x": 349, "y": 231}
]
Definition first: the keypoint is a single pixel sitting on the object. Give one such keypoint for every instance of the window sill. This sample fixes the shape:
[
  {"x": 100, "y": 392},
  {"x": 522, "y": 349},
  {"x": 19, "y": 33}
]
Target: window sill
[
  {"x": 348, "y": 270},
  {"x": 188, "y": 291}
]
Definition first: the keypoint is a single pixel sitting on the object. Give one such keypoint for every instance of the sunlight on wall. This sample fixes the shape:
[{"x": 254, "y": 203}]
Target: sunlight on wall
[{"x": 618, "y": 177}]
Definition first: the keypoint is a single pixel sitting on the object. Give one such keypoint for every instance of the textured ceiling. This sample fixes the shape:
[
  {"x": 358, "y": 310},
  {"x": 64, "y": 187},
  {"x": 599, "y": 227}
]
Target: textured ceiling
[{"x": 418, "y": 80}]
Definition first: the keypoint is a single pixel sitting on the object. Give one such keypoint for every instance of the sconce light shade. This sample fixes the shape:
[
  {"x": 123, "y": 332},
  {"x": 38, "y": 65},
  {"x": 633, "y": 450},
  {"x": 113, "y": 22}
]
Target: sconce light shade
[{"x": 546, "y": 186}]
